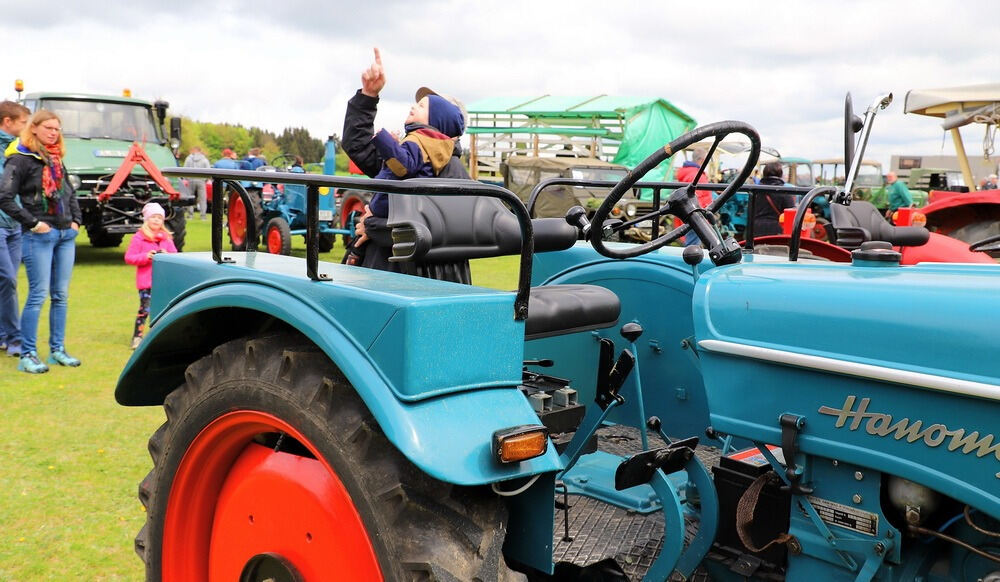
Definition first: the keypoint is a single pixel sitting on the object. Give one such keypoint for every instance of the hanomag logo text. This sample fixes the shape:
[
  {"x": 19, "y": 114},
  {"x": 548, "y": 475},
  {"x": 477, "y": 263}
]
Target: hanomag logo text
[{"x": 933, "y": 435}]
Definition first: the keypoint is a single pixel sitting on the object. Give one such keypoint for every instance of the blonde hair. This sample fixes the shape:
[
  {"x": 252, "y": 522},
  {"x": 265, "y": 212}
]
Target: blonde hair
[{"x": 29, "y": 140}]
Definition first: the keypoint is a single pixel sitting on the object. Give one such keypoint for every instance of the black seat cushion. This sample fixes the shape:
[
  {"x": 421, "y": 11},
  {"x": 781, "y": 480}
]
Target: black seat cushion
[
  {"x": 847, "y": 220},
  {"x": 560, "y": 309}
]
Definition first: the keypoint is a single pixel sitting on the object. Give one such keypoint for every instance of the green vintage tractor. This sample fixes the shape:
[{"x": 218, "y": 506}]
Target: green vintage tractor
[{"x": 114, "y": 147}]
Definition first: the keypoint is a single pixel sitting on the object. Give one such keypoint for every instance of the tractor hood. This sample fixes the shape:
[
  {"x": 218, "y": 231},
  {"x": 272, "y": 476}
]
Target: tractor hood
[
  {"x": 935, "y": 319},
  {"x": 105, "y": 156},
  {"x": 881, "y": 366}
]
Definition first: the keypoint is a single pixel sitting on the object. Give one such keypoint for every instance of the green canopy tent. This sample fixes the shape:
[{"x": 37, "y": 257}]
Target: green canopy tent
[{"x": 623, "y": 130}]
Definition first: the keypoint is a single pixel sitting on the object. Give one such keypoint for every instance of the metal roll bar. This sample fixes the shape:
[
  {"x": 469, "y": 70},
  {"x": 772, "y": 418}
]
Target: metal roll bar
[{"x": 413, "y": 187}]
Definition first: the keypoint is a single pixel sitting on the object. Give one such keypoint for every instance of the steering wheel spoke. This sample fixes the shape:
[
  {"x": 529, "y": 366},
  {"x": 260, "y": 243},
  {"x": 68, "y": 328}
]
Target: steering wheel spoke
[{"x": 682, "y": 202}]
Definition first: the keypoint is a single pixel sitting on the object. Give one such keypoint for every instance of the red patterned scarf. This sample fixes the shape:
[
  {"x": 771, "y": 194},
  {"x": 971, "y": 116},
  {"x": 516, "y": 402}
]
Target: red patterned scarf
[{"x": 52, "y": 176}]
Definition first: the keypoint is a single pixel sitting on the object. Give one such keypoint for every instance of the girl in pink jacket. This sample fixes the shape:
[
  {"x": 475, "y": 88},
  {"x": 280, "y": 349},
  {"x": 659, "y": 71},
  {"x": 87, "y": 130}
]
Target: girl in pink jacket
[{"x": 151, "y": 239}]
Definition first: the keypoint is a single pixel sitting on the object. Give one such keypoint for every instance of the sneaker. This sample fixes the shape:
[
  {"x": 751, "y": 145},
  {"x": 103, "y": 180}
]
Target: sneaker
[
  {"x": 31, "y": 364},
  {"x": 14, "y": 349},
  {"x": 136, "y": 341},
  {"x": 62, "y": 358}
]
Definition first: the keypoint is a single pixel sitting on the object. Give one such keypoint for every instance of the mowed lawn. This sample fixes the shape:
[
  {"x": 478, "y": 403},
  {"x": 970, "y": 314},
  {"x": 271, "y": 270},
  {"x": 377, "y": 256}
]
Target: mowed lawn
[{"x": 71, "y": 458}]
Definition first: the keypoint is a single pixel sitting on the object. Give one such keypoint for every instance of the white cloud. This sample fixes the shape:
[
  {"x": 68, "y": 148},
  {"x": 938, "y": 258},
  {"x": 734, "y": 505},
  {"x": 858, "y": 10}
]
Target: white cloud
[{"x": 782, "y": 66}]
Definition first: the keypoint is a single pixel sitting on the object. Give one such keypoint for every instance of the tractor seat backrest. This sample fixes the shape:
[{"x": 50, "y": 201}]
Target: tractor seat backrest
[
  {"x": 861, "y": 222},
  {"x": 436, "y": 229},
  {"x": 441, "y": 233}
]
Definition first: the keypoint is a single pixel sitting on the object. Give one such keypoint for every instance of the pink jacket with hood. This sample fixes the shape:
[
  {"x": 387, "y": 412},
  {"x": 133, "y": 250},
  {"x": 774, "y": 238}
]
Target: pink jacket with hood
[{"x": 138, "y": 249}]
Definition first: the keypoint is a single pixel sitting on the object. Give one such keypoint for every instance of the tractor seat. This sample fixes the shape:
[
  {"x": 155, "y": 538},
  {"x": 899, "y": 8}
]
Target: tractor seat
[
  {"x": 441, "y": 233},
  {"x": 861, "y": 222},
  {"x": 561, "y": 309}
]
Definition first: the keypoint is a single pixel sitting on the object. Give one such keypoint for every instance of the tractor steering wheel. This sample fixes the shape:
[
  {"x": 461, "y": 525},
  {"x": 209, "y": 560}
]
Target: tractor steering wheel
[
  {"x": 283, "y": 161},
  {"x": 682, "y": 203}
]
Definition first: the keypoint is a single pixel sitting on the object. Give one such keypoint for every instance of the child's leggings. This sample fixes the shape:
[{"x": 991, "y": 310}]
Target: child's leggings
[{"x": 143, "y": 314}]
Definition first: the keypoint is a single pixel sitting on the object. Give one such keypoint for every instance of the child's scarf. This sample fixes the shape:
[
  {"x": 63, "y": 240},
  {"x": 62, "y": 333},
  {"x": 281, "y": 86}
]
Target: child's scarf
[
  {"x": 158, "y": 237},
  {"x": 52, "y": 178}
]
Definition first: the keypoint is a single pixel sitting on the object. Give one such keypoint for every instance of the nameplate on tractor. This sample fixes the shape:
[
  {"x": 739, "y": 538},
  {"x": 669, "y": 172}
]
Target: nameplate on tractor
[{"x": 880, "y": 424}]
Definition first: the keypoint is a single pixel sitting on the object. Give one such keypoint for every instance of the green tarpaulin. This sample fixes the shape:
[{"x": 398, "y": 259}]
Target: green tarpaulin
[{"x": 626, "y": 130}]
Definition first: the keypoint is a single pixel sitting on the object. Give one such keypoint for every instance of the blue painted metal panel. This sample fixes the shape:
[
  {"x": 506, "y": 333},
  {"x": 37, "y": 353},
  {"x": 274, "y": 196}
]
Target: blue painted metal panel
[
  {"x": 388, "y": 314},
  {"x": 939, "y": 321},
  {"x": 655, "y": 290},
  {"x": 448, "y": 437},
  {"x": 907, "y": 317}
]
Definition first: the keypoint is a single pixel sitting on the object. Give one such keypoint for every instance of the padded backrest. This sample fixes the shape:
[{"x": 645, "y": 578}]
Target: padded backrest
[
  {"x": 455, "y": 228},
  {"x": 864, "y": 215}
]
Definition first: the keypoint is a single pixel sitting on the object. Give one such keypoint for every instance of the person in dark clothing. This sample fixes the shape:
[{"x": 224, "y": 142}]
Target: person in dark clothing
[
  {"x": 429, "y": 148},
  {"x": 50, "y": 218},
  {"x": 769, "y": 206},
  {"x": 13, "y": 118}
]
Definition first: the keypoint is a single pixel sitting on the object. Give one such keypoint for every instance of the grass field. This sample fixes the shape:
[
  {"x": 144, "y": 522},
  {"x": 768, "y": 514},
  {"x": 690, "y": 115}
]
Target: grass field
[{"x": 72, "y": 458}]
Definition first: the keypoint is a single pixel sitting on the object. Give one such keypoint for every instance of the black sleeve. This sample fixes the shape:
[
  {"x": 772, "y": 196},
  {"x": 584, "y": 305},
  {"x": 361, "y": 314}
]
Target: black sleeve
[
  {"x": 10, "y": 185},
  {"x": 359, "y": 129},
  {"x": 378, "y": 231},
  {"x": 74, "y": 202}
]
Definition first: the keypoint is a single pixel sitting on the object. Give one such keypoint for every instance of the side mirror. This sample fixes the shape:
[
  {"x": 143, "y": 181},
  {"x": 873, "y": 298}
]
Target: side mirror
[
  {"x": 161, "y": 110},
  {"x": 175, "y": 134},
  {"x": 852, "y": 125}
]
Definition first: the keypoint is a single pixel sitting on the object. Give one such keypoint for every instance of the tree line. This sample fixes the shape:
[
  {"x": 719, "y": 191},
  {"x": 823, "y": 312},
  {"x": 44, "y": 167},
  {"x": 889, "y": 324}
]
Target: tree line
[{"x": 212, "y": 138}]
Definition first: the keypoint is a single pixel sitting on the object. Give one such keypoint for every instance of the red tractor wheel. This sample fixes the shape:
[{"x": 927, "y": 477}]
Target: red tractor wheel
[
  {"x": 278, "y": 236},
  {"x": 238, "y": 215},
  {"x": 352, "y": 206},
  {"x": 269, "y": 466},
  {"x": 822, "y": 229}
]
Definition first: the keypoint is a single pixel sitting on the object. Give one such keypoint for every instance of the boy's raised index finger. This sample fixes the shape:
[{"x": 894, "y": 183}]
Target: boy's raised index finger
[{"x": 378, "y": 57}]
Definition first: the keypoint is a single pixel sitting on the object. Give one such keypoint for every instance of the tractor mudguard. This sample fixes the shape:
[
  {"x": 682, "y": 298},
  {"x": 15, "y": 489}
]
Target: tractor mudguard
[
  {"x": 942, "y": 249},
  {"x": 439, "y": 425}
]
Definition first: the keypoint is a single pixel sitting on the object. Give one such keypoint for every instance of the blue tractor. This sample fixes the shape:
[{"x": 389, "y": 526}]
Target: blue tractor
[
  {"x": 279, "y": 209},
  {"x": 631, "y": 411}
]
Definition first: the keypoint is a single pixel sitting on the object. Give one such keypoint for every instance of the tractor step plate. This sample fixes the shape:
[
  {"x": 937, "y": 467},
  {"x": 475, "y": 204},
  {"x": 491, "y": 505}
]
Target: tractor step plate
[{"x": 600, "y": 531}]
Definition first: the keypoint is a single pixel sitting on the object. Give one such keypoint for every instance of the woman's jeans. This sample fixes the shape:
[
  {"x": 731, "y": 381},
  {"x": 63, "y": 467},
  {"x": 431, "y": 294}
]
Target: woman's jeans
[
  {"x": 10, "y": 262},
  {"x": 48, "y": 260}
]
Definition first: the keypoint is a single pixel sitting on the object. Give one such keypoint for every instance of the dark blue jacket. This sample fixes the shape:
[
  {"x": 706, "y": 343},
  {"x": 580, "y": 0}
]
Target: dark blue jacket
[{"x": 5, "y": 138}]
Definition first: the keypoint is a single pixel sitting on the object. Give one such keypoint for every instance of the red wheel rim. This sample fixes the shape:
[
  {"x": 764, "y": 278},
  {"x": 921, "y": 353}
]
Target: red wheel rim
[
  {"x": 353, "y": 205},
  {"x": 274, "y": 240},
  {"x": 232, "y": 499},
  {"x": 237, "y": 220}
]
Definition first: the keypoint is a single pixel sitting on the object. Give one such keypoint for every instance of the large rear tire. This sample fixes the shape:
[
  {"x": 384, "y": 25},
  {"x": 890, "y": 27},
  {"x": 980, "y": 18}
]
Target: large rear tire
[
  {"x": 269, "y": 456},
  {"x": 177, "y": 224},
  {"x": 326, "y": 242},
  {"x": 352, "y": 206},
  {"x": 100, "y": 238},
  {"x": 238, "y": 216}
]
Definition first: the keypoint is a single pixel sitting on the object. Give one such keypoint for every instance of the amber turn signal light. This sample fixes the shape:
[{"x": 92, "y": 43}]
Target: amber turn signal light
[{"x": 520, "y": 443}]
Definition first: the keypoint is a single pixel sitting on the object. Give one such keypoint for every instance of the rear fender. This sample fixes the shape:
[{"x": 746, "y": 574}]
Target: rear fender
[
  {"x": 447, "y": 437},
  {"x": 942, "y": 249}
]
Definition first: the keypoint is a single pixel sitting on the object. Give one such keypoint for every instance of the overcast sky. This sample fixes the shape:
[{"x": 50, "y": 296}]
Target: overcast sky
[{"x": 784, "y": 67}]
